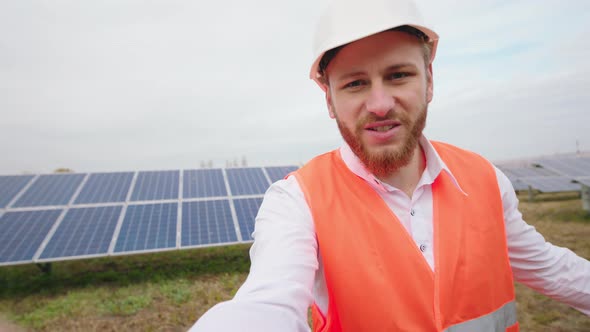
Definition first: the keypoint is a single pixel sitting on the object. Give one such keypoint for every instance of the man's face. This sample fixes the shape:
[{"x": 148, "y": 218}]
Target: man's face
[{"x": 379, "y": 90}]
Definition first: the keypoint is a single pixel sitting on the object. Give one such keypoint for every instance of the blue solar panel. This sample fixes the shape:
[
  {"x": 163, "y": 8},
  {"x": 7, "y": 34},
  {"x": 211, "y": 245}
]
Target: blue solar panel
[
  {"x": 247, "y": 181},
  {"x": 203, "y": 183},
  {"x": 570, "y": 166},
  {"x": 552, "y": 184},
  {"x": 23, "y": 232},
  {"x": 246, "y": 211},
  {"x": 148, "y": 227},
  {"x": 156, "y": 185},
  {"x": 83, "y": 231},
  {"x": 10, "y": 186},
  {"x": 207, "y": 222},
  {"x": 515, "y": 172},
  {"x": 105, "y": 188},
  {"x": 54, "y": 189},
  {"x": 279, "y": 172}
]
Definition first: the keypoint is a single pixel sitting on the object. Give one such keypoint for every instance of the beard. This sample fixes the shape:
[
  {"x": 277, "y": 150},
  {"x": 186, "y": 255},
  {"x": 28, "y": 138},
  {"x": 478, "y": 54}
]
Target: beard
[{"x": 385, "y": 160}]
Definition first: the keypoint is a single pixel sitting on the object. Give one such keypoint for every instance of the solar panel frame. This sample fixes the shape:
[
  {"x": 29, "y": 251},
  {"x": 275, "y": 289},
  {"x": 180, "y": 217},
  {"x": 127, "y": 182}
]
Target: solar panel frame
[
  {"x": 247, "y": 181},
  {"x": 110, "y": 187},
  {"x": 43, "y": 192},
  {"x": 276, "y": 173},
  {"x": 11, "y": 186},
  {"x": 15, "y": 236},
  {"x": 246, "y": 211},
  {"x": 74, "y": 236}
]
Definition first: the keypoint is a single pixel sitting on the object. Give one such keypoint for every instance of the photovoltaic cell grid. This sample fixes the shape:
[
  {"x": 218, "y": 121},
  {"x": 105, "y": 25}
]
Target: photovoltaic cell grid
[
  {"x": 246, "y": 211},
  {"x": 83, "y": 231},
  {"x": 551, "y": 184},
  {"x": 156, "y": 185},
  {"x": 203, "y": 183},
  {"x": 48, "y": 190},
  {"x": 575, "y": 167},
  {"x": 105, "y": 188},
  {"x": 148, "y": 227},
  {"x": 247, "y": 181},
  {"x": 277, "y": 173},
  {"x": 10, "y": 186},
  {"x": 23, "y": 232},
  {"x": 207, "y": 222}
]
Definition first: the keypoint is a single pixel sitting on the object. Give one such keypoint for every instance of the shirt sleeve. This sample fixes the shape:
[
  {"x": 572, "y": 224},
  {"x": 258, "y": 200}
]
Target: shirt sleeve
[
  {"x": 278, "y": 290},
  {"x": 551, "y": 270}
]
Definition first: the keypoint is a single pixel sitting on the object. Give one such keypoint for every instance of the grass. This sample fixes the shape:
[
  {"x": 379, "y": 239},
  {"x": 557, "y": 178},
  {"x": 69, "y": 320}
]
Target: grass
[{"x": 169, "y": 291}]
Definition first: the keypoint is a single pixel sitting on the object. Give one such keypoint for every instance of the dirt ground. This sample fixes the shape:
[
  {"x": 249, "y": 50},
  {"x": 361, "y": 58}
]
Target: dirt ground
[{"x": 6, "y": 326}]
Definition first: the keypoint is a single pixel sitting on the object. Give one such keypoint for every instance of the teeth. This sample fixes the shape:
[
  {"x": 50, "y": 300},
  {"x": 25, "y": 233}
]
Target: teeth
[{"x": 382, "y": 128}]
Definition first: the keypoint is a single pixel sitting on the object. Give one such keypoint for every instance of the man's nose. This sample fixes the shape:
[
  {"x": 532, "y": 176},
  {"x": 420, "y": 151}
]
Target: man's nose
[{"x": 379, "y": 101}]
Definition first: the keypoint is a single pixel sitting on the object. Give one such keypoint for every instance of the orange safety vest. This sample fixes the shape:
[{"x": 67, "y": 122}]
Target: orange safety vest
[{"x": 376, "y": 277}]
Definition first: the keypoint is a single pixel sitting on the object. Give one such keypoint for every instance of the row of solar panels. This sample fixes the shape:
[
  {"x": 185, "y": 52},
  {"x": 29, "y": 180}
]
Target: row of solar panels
[
  {"x": 23, "y": 191},
  {"x": 551, "y": 175},
  {"x": 47, "y": 218}
]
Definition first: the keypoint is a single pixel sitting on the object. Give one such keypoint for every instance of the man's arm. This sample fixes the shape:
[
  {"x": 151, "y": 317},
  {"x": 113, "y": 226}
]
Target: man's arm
[
  {"x": 277, "y": 292},
  {"x": 551, "y": 270}
]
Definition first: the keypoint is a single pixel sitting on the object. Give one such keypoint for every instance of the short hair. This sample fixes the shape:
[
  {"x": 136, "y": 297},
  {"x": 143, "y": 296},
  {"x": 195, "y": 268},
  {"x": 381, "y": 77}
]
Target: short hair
[{"x": 421, "y": 36}]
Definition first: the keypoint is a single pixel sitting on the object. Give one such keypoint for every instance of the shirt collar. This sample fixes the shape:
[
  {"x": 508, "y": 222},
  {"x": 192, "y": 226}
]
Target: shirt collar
[{"x": 434, "y": 166}]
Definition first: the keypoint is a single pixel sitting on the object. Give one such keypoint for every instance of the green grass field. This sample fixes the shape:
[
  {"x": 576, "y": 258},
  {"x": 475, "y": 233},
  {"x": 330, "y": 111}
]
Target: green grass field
[{"x": 169, "y": 291}]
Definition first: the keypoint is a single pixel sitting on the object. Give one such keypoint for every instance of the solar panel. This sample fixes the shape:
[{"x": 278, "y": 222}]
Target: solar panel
[
  {"x": 247, "y": 181},
  {"x": 10, "y": 186},
  {"x": 513, "y": 172},
  {"x": 22, "y": 232},
  {"x": 207, "y": 222},
  {"x": 519, "y": 185},
  {"x": 147, "y": 227},
  {"x": 156, "y": 185},
  {"x": 203, "y": 183},
  {"x": 48, "y": 190},
  {"x": 246, "y": 211},
  {"x": 277, "y": 173},
  {"x": 105, "y": 188},
  {"x": 552, "y": 184},
  {"x": 570, "y": 166},
  {"x": 83, "y": 231}
]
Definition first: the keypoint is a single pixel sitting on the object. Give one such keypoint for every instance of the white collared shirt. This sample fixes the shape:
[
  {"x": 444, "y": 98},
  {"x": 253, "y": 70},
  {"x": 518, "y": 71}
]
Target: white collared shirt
[{"x": 286, "y": 275}]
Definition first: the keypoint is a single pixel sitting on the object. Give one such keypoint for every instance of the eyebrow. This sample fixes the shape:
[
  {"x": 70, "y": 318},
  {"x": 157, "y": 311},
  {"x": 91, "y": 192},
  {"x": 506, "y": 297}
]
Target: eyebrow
[{"x": 390, "y": 68}]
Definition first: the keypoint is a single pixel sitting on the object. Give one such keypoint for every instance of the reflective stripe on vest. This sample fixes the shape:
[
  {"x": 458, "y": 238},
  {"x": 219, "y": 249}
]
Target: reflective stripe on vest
[{"x": 499, "y": 320}]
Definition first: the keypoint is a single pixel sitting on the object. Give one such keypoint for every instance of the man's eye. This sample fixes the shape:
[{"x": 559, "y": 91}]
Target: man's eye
[
  {"x": 397, "y": 76},
  {"x": 353, "y": 84}
]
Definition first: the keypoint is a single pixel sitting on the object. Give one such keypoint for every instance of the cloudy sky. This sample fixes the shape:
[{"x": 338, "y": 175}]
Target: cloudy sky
[{"x": 143, "y": 85}]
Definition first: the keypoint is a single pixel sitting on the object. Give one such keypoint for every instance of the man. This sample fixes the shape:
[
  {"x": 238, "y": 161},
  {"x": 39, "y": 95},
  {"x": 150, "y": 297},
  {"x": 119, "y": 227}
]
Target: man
[{"x": 391, "y": 232}]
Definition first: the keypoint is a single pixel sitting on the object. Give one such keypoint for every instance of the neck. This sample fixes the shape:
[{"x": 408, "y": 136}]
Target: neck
[{"x": 406, "y": 178}]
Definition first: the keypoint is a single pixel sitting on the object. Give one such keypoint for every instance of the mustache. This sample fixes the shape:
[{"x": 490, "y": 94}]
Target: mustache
[{"x": 371, "y": 117}]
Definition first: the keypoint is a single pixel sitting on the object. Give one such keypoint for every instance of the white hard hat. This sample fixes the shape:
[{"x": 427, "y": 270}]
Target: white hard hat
[{"x": 345, "y": 21}]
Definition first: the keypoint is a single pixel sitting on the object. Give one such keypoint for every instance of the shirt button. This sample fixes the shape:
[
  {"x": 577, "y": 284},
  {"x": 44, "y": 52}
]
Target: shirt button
[
  {"x": 412, "y": 212},
  {"x": 422, "y": 247}
]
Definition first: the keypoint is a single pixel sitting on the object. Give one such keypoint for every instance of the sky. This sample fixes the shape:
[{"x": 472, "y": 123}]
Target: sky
[{"x": 120, "y": 85}]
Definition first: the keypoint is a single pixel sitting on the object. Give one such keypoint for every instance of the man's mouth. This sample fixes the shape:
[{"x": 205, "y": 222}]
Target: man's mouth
[{"x": 382, "y": 126}]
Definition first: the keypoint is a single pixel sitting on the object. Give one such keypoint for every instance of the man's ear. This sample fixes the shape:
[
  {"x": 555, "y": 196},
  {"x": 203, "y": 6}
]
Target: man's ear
[
  {"x": 329, "y": 102},
  {"x": 430, "y": 84}
]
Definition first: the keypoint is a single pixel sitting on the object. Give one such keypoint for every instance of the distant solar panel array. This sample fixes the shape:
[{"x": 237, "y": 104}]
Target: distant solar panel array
[
  {"x": 52, "y": 217},
  {"x": 549, "y": 175}
]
